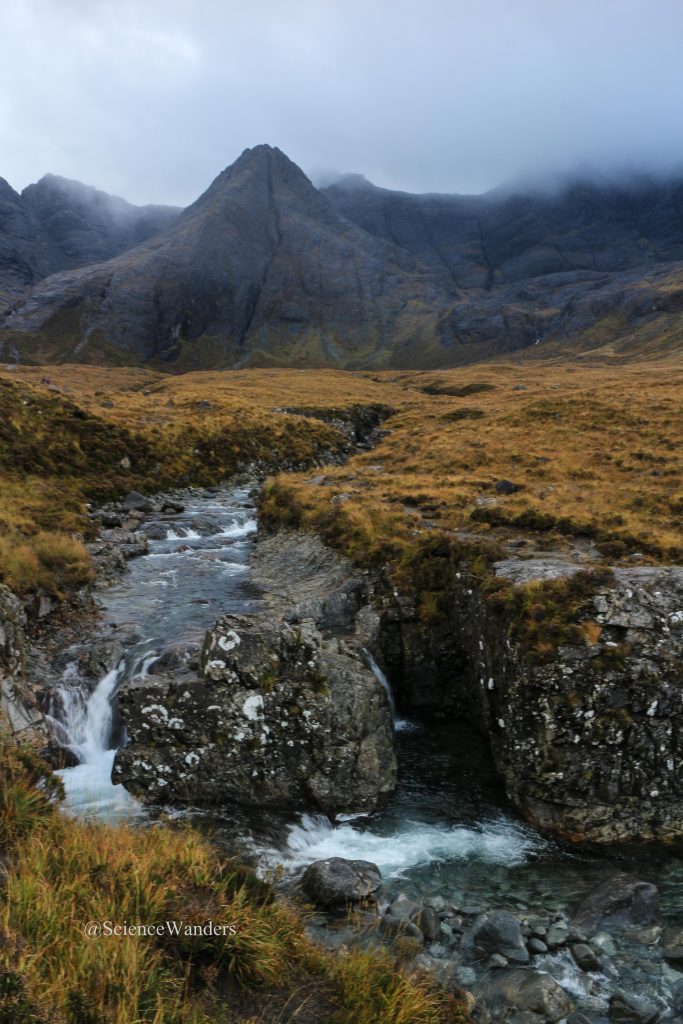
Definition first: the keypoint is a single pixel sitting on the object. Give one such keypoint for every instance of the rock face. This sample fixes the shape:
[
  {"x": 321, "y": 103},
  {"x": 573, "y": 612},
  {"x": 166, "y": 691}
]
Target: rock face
[
  {"x": 595, "y": 754},
  {"x": 18, "y": 710},
  {"x": 264, "y": 269},
  {"x": 58, "y": 225},
  {"x": 338, "y": 882},
  {"x": 260, "y": 270},
  {"x": 283, "y": 712},
  {"x": 539, "y": 264}
]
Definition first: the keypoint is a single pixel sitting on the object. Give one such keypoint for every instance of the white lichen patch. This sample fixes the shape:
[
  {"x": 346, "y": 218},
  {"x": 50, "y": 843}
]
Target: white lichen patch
[
  {"x": 229, "y": 642},
  {"x": 252, "y": 708}
]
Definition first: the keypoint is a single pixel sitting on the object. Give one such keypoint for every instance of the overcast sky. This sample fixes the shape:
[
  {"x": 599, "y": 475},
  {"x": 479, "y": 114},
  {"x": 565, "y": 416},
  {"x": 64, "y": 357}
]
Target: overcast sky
[{"x": 150, "y": 99}]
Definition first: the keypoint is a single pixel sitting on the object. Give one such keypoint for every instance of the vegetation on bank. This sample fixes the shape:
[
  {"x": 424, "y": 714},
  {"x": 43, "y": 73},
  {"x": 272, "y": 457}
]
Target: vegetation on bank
[
  {"x": 594, "y": 457},
  {"x": 55, "y": 456},
  {"x": 60, "y": 874}
]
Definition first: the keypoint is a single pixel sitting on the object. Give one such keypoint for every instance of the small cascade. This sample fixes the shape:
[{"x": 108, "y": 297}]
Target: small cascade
[
  {"x": 382, "y": 680},
  {"x": 83, "y": 724},
  {"x": 400, "y": 724},
  {"x": 171, "y": 596}
]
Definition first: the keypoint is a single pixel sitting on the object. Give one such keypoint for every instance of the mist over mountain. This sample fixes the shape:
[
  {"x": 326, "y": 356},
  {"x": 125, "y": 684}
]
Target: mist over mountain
[
  {"x": 266, "y": 270},
  {"x": 58, "y": 224}
]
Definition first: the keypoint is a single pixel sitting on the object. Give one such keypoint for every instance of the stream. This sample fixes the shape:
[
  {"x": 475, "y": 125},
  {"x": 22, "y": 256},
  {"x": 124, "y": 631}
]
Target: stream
[{"x": 447, "y": 832}]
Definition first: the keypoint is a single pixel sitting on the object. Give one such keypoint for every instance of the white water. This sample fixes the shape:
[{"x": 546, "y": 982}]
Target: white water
[
  {"x": 172, "y": 604},
  {"x": 399, "y": 723},
  {"x": 414, "y": 844},
  {"x": 85, "y": 727}
]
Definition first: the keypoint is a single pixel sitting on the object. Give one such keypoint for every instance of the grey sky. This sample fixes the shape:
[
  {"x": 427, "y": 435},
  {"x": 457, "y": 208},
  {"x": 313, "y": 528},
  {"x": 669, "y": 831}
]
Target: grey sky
[{"x": 150, "y": 99}]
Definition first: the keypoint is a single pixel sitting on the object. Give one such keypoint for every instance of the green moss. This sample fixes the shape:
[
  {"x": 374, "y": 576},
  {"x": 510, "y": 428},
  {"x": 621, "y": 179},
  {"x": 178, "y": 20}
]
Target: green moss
[{"x": 544, "y": 615}]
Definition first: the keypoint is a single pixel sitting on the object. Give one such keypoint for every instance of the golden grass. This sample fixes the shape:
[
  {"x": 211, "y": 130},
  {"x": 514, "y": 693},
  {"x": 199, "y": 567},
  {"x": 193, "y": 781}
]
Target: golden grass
[
  {"x": 63, "y": 874},
  {"x": 596, "y": 450}
]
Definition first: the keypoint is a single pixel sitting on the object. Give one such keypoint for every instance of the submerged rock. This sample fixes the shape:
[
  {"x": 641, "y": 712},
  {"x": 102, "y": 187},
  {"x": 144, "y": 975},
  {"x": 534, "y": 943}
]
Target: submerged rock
[
  {"x": 625, "y": 1008},
  {"x": 520, "y": 996},
  {"x": 621, "y": 902},
  {"x": 337, "y": 882},
  {"x": 279, "y": 716}
]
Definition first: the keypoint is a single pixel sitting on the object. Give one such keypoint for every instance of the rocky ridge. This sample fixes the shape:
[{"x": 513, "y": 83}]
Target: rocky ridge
[{"x": 266, "y": 270}]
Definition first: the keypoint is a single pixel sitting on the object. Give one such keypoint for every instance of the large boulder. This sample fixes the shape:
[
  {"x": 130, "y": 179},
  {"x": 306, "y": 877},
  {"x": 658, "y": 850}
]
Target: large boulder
[
  {"x": 278, "y": 716},
  {"x": 495, "y": 932},
  {"x": 519, "y": 996},
  {"x": 337, "y": 882},
  {"x": 593, "y": 757},
  {"x": 621, "y": 902}
]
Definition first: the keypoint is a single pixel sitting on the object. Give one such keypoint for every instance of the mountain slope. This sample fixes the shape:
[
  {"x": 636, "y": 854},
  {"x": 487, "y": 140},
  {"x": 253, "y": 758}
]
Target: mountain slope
[
  {"x": 592, "y": 266},
  {"x": 260, "y": 270},
  {"x": 266, "y": 270},
  {"x": 58, "y": 224},
  {"x": 503, "y": 237}
]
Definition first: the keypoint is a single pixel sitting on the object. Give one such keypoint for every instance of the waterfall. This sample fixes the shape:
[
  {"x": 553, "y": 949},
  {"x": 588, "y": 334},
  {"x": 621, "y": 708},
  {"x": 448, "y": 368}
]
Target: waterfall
[
  {"x": 382, "y": 680},
  {"x": 84, "y": 725}
]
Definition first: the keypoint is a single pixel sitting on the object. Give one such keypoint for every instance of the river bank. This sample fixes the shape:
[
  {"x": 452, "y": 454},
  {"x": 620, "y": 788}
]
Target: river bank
[{"x": 447, "y": 839}]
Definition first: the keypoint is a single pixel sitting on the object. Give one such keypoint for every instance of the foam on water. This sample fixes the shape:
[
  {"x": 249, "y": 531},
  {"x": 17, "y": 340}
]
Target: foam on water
[
  {"x": 89, "y": 791},
  {"x": 82, "y": 720},
  {"x": 243, "y": 530},
  {"x": 414, "y": 844}
]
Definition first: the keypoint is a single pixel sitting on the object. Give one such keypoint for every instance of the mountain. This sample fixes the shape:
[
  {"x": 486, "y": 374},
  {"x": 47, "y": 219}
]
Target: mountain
[
  {"x": 500, "y": 238},
  {"x": 58, "y": 224},
  {"x": 266, "y": 270},
  {"x": 259, "y": 270}
]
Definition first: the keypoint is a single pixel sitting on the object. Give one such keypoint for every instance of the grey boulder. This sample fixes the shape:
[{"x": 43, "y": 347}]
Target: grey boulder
[
  {"x": 495, "y": 932},
  {"x": 337, "y": 882}
]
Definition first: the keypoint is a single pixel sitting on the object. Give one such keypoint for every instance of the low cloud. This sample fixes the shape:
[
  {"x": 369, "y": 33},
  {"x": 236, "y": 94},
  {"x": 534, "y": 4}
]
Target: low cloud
[{"x": 151, "y": 99}]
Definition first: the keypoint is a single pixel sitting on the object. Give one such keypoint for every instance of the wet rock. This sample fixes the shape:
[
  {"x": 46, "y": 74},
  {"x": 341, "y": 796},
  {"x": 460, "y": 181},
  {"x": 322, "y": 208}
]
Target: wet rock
[
  {"x": 584, "y": 957},
  {"x": 19, "y": 711},
  {"x": 557, "y": 934},
  {"x": 520, "y": 996},
  {"x": 180, "y": 657},
  {"x": 279, "y": 717},
  {"x": 110, "y": 520},
  {"x": 58, "y": 757},
  {"x": 620, "y": 902},
  {"x": 625, "y": 1008},
  {"x": 536, "y": 946},
  {"x": 136, "y": 502},
  {"x": 495, "y": 932},
  {"x": 337, "y": 882},
  {"x": 404, "y": 908},
  {"x": 392, "y": 928},
  {"x": 428, "y": 922},
  {"x": 172, "y": 506},
  {"x": 672, "y": 946}
]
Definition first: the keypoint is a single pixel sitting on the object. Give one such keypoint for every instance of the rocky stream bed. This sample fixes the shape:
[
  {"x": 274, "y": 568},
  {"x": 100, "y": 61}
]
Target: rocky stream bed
[{"x": 243, "y": 684}]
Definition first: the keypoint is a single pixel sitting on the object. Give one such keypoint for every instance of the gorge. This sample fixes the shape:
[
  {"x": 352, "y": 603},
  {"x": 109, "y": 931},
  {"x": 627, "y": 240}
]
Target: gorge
[{"x": 447, "y": 837}]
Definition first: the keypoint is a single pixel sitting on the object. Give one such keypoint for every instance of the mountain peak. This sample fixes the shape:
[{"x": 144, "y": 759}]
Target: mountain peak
[{"x": 261, "y": 169}]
